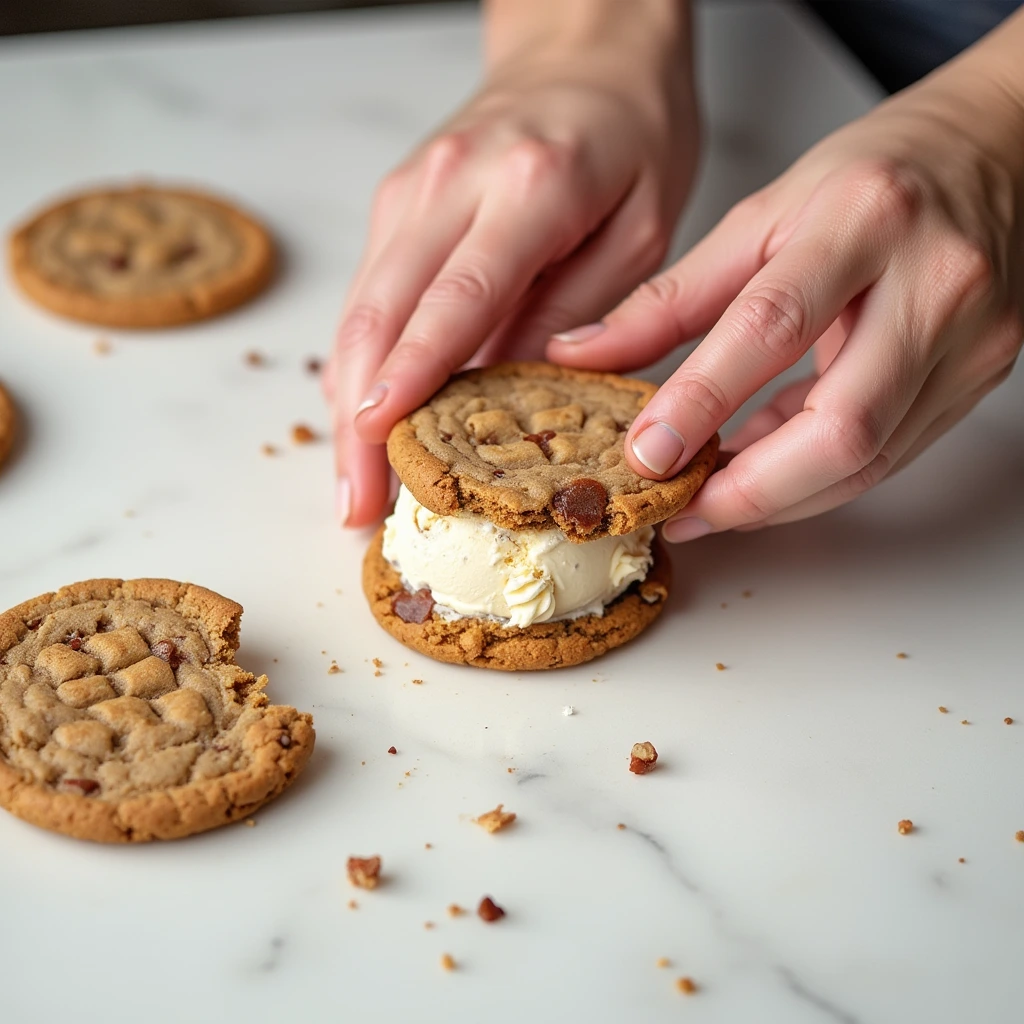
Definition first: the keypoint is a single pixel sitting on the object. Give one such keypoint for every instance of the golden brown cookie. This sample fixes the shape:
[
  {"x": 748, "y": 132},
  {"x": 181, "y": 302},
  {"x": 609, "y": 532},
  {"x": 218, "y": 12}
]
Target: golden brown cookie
[
  {"x": 486, "y": 643},
  {"x": 537, "y": 446},
  {"x": 124, "y": 718},
  {"x": 8, "y": 422},
  {"x": 141, "y": 257}
]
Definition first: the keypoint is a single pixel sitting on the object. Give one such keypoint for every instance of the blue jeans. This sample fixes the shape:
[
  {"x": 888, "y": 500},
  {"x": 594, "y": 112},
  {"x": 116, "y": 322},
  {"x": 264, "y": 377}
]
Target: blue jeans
[{"x": 900, "y": 41}]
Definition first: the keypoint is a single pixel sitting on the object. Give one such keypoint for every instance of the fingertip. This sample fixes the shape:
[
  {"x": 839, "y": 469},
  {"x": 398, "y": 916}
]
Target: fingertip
[{"x": 655, "y": 450}]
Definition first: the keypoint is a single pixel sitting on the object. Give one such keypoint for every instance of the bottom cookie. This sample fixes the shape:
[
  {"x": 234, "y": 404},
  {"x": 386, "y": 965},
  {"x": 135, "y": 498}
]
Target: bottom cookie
[
  {"x": 124, "y": 718},
  {"x": 486, "y": 643},
  {"x": 7, "y": 424}
]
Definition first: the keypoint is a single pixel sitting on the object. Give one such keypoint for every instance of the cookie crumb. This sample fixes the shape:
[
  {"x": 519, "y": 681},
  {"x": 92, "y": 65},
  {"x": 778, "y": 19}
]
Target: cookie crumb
[
  {"x": 902, "y": 655},
  {"x": 377, "y": 663},
  {"x": 454, "y": 910},
  {"x": 961, "y": 860},
  {"x": 944, "y": 710},
  {"x": 392, "y": 750},
  {"x": 313, "y": 365},
  {"x": 719, "y": 666},
  {"x": 428, "y": 925},
  {"x": 101, "y": 347},
  {"x": 129, "y": 513},
  {"x": 510, "y": 770},
  {"x": 417, "y": 682},
  {"x": 250, "y": 823},
  {"x": 963, "y": 721},
  {"x": 1019, "y": 836},
  {"x": 663, "y": 961},
  {"x": 364, "y": 872},
  {"x": 268, "y": 450},
  {"x": 568, "y": 710},
  {"x": 489, "y": 911},
  {"x": 363, "y": 763},
  {"x": 334, "y": 668},
  {"x": 621, "y": 827},
  {"x": 642, "y": 758},
  {"x": 428, "y": 846},
  {"x": 301, "y": 434},
  {"x": 352, "y": 905},
  {"x": 905, "y": 827},
  {"x": 496, "y": 820},
  {"x": 447, "y": 962},
  {"x": 725, "y": 604},
  {"x": 1008, "y": 721},
  {"x": 254, "y": 358},
  {"x": 747, "y": 593},
  {"x": 686, "y": 985}
]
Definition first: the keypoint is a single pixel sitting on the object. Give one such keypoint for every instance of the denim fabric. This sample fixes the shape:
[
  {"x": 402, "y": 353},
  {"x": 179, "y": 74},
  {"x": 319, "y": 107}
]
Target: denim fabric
[{"x": 900, "y": 41}]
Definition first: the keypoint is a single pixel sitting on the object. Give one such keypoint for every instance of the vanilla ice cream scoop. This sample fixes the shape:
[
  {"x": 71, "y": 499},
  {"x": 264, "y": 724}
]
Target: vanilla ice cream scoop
[{"x": 474, "y": 568}]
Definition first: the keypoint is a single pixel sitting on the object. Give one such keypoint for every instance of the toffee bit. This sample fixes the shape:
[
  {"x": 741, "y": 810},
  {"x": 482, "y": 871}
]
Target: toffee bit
[
  {"x": 364, "y": 872},
  {"x": 905, "y": 827},
  {"x": 903, "y": 655},
  {"x": 496, "y": 820},
  {"x": 686, "y": 985},
  {"x": 719, "y": 666},
  {"x": 1019, "y": 836},
  {"x": 621, "y": 827},
  {"x": 489, "y": 911},
  {"x": 447, "y": 962},
  {"x": 301, "y": 434},
  {"x": 642, "y": 758}
]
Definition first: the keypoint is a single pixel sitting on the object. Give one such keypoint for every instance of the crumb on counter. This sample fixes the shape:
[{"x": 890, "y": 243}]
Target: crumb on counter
[
  {"x": 364, "y": 872},
  {"x": 392, "y": 750},
  {"x": 719, "y": 666},
  {"x": 250, "y": 822},
  {"x": 963, "y": 721},
  {"x": 417, "y": 682},
  {"x": 254, "y": 358},
  {"x": 1019, "y": 836},
  {"x": 334, "y": 668},
  {"x": 568, "y": 710},
  {"x": 1008, "y": 721},
  {"x": 101, "y": 347},
  {"x": 944, "y": 710},
  {"x": 621, "y": 827},
  {"x": 663, "y": 961},
  {"x": 686, "y": 985},
  {"x": 313, "y": 365},
  {"x": 642, "y": 758},
  {"x": 747, "y": 593},
  {"x": 428, "y": 846},
  {"x": 352, "y": 905},
  {"x": 489, "y": 911},
  {"x": 268, "y": 450},
  {"x": 905, "y": 826},
  {"x": 301, "y": 434},
  {"x": 510, "y": 770},
  {"x": 447, "y": 962},
  {"x": 428, "y": 925},
  {"x": 961, "y": 860},
  {"x": 496, "y": 820},
  {"x": 454, "y": 910},
  {"x": 902, "y": 655}
]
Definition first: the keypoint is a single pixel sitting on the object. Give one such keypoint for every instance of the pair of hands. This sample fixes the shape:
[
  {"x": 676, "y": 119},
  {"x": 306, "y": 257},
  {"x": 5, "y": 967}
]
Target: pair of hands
[{"x": 894, "y": 248}]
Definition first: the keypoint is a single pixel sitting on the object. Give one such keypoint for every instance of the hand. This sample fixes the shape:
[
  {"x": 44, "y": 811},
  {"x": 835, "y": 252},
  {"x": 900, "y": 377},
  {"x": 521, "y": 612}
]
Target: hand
[
  {"x": 541, "y": 203},
  {"x": 896, "y": 248}
]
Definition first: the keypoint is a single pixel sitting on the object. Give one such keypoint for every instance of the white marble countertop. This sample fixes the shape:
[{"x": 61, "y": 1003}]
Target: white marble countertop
[{"x": 762, "y": 857}]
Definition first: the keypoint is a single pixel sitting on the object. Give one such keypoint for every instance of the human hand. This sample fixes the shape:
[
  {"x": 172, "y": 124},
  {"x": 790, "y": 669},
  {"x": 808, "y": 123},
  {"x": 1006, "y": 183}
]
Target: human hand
[
  {"x": 896, "y": 248},
  {"x": 549, "y": 196}
]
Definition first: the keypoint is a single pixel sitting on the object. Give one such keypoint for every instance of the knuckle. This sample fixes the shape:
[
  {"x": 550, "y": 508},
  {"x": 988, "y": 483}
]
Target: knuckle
[
  {"x": 467, "y": 283},
  {"x": 421, "y": 351},
  {"x": 852, "y": 440},
  {"x": 443, "y": 154},
  {"x": 649, "y": 242},
  {"x": 388, "y": 189},
  {"x": 885, "y": 191},
  {"x": 706, "y": 395},
  {"x": 531, "y": 162},
  {"x": 774, "y": 320},
  {"x": 750, "y": 500},
  {"x": 362, "y": 323},
  {"x": 1006, "y": 343},
  {"x": 870, "y": 476},
  {"x": 661, "y": 292}
]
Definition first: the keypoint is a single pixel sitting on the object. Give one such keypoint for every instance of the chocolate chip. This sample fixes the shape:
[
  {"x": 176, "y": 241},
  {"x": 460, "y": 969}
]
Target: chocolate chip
[
  {"x": 33, "y": 623},
  {"x": 167, "y": 650},
  {"x": 85, "y": 785},
  {"x": 499, "y": 473},
  {"x": 582, "y": 504},
  {"x": 313, "y": 365},
  {"x": 392, "y": 750},
  {"x": 489, "y": 910},
  {"x": 74, "y": 640},
  {"x": 285, "y": 741},
  {"x": 541, "y": 440},
  {"x": 445, "y": 436},
  {"x": 182, "y": 253},
  {"x": 413, "y": 607},
  {"x": 117, "y": 263}
]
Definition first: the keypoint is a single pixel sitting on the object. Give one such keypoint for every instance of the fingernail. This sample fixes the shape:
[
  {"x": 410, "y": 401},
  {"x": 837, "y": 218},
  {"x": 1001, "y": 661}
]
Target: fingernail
[
  {"x": 374, "y": 396},
  {"x": 658, "y": 446},
  {"x": 675, "y": 531},
  {"x": 343, "y": 500},
  {"x": 578, "y": 334}
]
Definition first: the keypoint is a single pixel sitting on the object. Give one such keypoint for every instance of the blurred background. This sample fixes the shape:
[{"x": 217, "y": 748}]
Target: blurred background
[{"x": 19, "y": 16}]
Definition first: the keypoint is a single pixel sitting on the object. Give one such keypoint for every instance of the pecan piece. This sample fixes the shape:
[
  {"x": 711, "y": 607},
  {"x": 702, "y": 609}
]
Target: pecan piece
[
  {"x": 642, "y": 758},
  {"x": 364, "y": 872}
]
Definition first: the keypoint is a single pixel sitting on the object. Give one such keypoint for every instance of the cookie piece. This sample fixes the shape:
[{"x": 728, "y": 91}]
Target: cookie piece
[
  {"x": 8, "y": 422},
  {"x": 141, "y": 257},
  {"x": 486, "y": 643},
  {"x": 538, "y": 446},
  {"x": 124, "y": 718}
]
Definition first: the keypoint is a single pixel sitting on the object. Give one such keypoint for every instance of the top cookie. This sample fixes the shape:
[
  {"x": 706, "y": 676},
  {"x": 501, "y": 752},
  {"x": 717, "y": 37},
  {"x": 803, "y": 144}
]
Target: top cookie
[
  {"x": 141, "y": 257},
  {"x": 123, "y": 716},
  {"x": 537, "y": 446}
]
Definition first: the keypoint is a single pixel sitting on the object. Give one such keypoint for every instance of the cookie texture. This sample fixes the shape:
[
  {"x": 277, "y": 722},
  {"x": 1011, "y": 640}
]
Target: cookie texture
[
  {"x": 538, "y": 446},
  {"x": 8, "y": 422},
  {"x": 123, "y": 717},
  {"x": 486, "y": 643},
  {"x": 141, "y": 257}
]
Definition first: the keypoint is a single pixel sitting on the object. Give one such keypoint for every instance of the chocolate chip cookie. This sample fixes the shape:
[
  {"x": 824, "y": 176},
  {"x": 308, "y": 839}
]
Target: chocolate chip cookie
[
  {"x": 489, "y": 643},
  {"x": 7, "y": 424},
  {"x": 537, "y": 446},
  {"x": 141, "y": 257},
  {"x": 124, "y": 718}
]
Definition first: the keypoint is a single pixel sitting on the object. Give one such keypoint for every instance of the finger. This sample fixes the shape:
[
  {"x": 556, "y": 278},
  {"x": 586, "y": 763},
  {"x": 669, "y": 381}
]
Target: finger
[
  {"x": 522, "y": 226},
  {"x": 848, "y": 417},
  {"x": 627, "y": 248},
  {"x": 782, "y": 407},
  {"x": 677, "y": 305},
  {"x": 784, "y": 309}
]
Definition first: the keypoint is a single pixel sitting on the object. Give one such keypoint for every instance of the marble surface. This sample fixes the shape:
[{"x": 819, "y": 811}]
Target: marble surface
[{"x": 762, "y": 857}]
